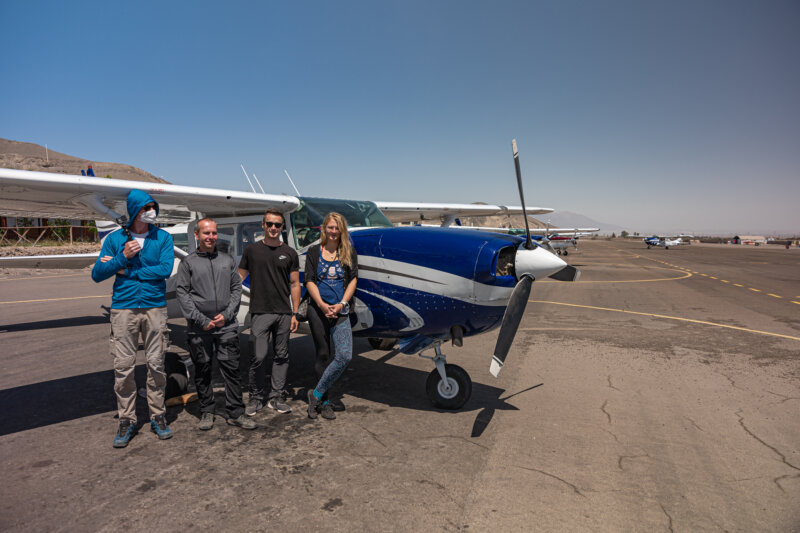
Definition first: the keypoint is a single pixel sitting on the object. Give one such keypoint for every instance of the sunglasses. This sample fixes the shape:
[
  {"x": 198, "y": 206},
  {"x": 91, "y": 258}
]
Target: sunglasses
[{"x": 273, "y": 224}]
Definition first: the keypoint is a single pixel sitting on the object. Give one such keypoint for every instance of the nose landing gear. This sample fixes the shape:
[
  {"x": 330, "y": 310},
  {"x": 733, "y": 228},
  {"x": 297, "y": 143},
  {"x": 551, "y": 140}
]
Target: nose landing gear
[{"x": 448, "y": 386}]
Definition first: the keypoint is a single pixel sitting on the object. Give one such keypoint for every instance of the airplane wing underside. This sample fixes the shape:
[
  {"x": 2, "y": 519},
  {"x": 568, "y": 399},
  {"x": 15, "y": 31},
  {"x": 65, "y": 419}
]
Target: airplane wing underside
[
  {"x": 417, "y": 211},
  {"x": 26, "y": 193},
  {"x": 67, "y": 261}
]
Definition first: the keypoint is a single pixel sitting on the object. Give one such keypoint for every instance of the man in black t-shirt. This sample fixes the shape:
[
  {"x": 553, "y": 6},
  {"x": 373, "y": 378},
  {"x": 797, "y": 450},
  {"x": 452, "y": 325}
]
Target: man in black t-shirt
[{"x": 273, "y": 268}]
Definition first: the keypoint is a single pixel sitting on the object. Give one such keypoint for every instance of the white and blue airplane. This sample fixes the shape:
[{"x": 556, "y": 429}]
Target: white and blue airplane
[
  {"x": 418, "y": 287},
  {"x": 664, "y": 242}
]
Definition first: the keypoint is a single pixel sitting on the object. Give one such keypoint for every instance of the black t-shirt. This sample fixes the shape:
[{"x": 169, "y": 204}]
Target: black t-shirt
[{"x": 269, "y": 268}]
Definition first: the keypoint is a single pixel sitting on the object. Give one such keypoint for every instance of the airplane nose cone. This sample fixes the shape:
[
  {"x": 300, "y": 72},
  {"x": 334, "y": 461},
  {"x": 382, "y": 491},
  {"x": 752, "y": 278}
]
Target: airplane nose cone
[{"x": 538, "y": 262}]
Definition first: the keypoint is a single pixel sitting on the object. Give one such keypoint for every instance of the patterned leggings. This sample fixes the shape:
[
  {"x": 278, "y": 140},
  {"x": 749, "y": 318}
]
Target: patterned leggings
[{"x": 342, "y": 340}]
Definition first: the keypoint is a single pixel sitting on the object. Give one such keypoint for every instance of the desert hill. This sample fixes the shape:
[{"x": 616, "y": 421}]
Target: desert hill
[{"x": 28, "y": 156}]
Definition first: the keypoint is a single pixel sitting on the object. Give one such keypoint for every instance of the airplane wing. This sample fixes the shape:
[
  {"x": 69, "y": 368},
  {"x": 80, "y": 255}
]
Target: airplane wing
[
  {"x": 417, "y": 211},
  {"x": 67, "y": 261},
  {"x": 563, "y": 231},
  {"x": 26, "y": 193}
]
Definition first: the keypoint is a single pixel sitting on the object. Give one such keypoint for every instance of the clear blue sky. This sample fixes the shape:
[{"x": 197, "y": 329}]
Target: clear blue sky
[{"x": 657, "y": 116}]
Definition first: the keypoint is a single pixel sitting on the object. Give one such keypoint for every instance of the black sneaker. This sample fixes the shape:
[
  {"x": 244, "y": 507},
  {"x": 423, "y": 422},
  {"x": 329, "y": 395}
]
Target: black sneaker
[
  {"x": 243, "y": 422},
  {"x": 313, "y": 405},
  {"x": 337, "y": 405},
  {"x": 327, "y": 411},
  {"x": 206, "y": 421},
  {"x": 279, "y": 404},
  {"x": 253, "y": 406}
]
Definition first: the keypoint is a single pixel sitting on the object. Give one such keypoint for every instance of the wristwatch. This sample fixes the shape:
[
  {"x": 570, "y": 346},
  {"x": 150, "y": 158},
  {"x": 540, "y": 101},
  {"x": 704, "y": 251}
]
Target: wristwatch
[{"x": 345, "y": 308}]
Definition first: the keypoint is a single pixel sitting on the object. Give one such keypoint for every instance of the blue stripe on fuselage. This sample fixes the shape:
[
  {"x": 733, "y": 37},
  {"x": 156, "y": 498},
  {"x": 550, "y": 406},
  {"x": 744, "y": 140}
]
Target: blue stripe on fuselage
[{"x": 454, "y": 251}]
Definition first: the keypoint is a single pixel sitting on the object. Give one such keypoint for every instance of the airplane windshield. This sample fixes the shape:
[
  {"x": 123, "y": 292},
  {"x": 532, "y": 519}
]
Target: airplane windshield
[{"x": 307, "y": 220}]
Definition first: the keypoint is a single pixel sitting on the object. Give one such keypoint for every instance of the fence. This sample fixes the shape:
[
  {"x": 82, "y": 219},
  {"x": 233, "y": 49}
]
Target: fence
[{"x": 32, "y": 235}]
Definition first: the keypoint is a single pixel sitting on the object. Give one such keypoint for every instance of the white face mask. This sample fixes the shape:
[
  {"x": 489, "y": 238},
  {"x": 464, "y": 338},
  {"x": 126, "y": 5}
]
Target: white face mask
[{"x": 148, "y": 217}]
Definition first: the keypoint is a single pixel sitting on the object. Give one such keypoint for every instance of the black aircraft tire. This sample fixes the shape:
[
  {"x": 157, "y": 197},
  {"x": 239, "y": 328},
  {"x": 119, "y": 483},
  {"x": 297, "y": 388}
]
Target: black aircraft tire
[
  {"x": 458, "y": 378},
  {"x": 566, "y": 252},
  {"x": 382, "y": 344}
]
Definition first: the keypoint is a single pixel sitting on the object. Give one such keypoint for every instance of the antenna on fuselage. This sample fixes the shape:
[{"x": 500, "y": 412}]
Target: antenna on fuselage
[
  {"x": 258, "y": 183},
  {"x": 248, "y": 179},
  {"x": 290, "y": 181}
]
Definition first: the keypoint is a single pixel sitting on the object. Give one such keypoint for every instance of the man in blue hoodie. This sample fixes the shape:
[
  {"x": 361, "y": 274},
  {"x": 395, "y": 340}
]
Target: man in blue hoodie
[{"x": 140, "y": 256}]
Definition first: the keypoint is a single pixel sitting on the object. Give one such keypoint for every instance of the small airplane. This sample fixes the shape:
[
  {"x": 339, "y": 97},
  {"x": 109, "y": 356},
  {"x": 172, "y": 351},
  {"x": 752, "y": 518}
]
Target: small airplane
[
  {"x": 556, "y": 240},
  {"x": 418, "y": 287},
  {"x": 664, "y": 242}
]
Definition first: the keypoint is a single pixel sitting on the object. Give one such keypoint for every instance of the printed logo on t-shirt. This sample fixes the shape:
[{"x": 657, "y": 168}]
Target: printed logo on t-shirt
[{"x": 282, "y": 257}]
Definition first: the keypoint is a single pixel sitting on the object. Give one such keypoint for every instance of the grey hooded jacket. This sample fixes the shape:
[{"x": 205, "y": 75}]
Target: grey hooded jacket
[{"x": 209, "y": 284}]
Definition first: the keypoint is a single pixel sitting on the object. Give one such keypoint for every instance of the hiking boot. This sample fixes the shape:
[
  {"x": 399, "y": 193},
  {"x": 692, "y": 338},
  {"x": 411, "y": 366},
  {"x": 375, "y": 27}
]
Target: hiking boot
[
  {"x": 313, "y": 405},
  {"x": 279, "y": 404},
  {"x": 124, "y": 434},
  {"x": 253, "y": 406},
  {"x": 337, "y": 405},
  {"x": 327, "y": 411},
  {"x": 206, "y": 421},
  {"x": 158, "y": 425},
  {"x": 243, "y": 422}
]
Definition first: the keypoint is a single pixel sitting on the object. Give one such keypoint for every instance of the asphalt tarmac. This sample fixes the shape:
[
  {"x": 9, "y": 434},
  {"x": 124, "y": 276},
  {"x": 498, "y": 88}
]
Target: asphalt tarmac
[{"x": 659, "y": 393}]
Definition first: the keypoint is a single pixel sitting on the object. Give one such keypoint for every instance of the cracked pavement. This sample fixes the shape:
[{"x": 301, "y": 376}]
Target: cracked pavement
[{"x": 599, "y": 421}]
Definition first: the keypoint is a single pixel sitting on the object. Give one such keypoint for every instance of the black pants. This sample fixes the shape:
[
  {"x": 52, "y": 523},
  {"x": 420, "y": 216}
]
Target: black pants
[
  {"x": 321, "y": 333},
  {"x": 202, "y": 348}
]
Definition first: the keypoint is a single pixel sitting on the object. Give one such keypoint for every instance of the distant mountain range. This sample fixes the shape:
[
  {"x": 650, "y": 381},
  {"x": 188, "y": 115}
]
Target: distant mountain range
[{"x": 29, "y": 156}]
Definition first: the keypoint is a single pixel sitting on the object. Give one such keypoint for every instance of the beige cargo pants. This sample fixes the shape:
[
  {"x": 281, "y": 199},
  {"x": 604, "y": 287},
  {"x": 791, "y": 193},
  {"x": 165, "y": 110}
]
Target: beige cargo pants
[{"x": 126, "y": 325}]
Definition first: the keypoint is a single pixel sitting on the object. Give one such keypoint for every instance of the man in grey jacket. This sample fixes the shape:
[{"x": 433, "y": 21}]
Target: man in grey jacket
[{"x": 209, "y": 291}]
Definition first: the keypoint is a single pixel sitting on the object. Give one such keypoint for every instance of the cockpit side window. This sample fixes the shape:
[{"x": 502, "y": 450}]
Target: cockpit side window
[{"x": 307, "y": 220}]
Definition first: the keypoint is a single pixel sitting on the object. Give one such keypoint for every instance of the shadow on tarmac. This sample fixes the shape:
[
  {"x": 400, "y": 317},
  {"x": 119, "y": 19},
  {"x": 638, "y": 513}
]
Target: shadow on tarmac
[
  {"x": 60, "y": 400},
  {"x": 57, "y": 323}
]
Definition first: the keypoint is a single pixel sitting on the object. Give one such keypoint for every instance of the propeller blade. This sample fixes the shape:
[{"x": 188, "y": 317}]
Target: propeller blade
[
  {"x": 528, "y": 243},
  {"x": 568, "y": 273},
  {"x": 511, "y": 320}
]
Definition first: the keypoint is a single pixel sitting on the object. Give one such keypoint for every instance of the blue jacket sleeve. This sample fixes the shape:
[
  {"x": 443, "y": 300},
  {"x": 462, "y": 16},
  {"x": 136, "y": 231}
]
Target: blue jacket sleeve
[
  {"x": 164, "y": 267},
  {"x": 102, "y": 271}
]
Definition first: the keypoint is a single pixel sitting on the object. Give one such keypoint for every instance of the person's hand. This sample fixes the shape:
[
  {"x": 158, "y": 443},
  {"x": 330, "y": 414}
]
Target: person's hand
[
  {"x": 106, "y": 259},
  {"x": 209, "y": 326},
  {"x": 218, "y": 321},
  {"x": 131, "y": 249},
  {"x": 294, "y": 325}
]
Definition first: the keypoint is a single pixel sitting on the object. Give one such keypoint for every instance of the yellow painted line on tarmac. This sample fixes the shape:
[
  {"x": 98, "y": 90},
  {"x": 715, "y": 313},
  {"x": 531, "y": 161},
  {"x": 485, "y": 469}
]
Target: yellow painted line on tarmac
[
  {"x": 738, "y": 285},
  {"x": 712, "y": 277},
  {"x": 704, "y": 275},
  {"x": 798, "y": 303},
  {"x": 774, "y": 295},
  {"x": 54, "y": 299},
  {"x": 755, "y": 290},
  {"x": 686, "y": 275},
  {"x": 34, "y": 278},
  {"x": 724, "y": 281},
  {"x": 680, "y": 319}
]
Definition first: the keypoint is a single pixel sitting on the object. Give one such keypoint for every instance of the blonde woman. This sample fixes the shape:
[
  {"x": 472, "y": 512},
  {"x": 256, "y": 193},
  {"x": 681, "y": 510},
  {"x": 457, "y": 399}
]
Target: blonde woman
[{"x": 331, "y": 274}]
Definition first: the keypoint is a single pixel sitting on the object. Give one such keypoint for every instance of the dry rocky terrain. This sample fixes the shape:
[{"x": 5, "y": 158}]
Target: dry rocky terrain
[{"x": 28, "y": 156}]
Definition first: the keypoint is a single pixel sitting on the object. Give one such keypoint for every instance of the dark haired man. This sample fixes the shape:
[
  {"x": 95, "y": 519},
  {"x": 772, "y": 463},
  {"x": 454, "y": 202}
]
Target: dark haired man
[
  {"x": 273, "y": 268},
  {"x": 209, "y": 291}
]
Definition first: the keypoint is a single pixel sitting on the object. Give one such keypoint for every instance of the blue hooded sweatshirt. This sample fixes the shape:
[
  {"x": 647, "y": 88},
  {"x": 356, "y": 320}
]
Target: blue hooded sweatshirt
[{"x": 144, "y": 283}]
